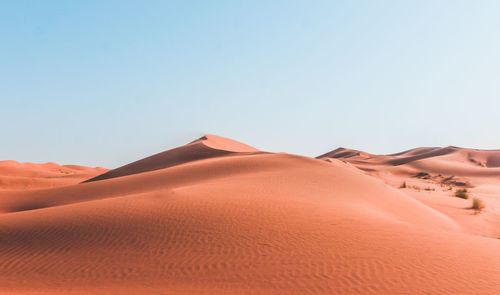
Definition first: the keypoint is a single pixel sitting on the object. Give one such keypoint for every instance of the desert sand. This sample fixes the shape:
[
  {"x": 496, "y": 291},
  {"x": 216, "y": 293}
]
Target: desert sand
[
  {"x": 15, "y": 175},
  {"x": 219, "y": 217}
]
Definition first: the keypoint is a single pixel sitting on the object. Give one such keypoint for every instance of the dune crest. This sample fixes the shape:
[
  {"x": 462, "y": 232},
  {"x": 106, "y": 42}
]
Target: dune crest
[{"x": 225, "y": 144}]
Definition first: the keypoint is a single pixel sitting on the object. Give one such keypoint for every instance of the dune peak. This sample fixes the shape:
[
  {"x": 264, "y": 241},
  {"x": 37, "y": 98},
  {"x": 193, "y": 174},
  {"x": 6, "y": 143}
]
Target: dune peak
[
  {"x": 206, "y": 147},
  {"x": 223, "y": 143}
]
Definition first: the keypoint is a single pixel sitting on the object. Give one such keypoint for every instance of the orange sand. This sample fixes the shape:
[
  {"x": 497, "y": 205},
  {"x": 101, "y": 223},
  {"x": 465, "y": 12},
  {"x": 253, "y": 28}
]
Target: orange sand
[
  {"x": 15, "y": 175},
  {"x": 219, "y": 217}
]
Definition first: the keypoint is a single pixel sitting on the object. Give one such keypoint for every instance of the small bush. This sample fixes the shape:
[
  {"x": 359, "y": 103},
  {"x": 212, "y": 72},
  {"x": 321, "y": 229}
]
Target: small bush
[
  {"x": 477, "y": 205},
  {"x": 403, "y": 185},
  {"x": 462, "y": 193}
]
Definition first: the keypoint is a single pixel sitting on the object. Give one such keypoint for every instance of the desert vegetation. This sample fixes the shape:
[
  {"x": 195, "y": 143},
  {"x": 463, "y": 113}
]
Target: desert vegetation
[
  {"x": 415, "y": 187},
  {"x": 477, "y": 205},
  {"x": 462, "y": 193}
]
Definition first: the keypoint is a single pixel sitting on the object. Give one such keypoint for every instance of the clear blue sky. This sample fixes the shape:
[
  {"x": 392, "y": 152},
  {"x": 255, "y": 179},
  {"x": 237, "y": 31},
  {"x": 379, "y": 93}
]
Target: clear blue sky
[{"x": 108, "y": 82}]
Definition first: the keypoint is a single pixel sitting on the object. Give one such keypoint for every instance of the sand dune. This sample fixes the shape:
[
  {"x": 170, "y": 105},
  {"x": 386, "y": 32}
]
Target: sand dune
[
  {"x": 219, "y": 217},
  {"x": 208, "y": 146},
  {"x": 448, "y": 160},
  {"x": 15, "y": 175},
  {"x": 433, "y": 174}
]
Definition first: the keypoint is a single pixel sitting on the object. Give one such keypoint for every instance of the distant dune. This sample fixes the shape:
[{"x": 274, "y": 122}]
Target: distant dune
[
  {"x": 433, "y": 174},
  {"x": 219, "y": 217},
  {"x": 15, "y": 175}
]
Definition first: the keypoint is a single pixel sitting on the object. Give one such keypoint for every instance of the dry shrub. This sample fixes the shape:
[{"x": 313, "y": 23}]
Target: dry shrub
[
  {"x": 477, "y": 205},
  {"x": 462, "y": 193}
]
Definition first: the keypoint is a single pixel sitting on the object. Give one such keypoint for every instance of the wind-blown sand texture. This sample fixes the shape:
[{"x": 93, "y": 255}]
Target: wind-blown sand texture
[{"x": 218, "y": 217}]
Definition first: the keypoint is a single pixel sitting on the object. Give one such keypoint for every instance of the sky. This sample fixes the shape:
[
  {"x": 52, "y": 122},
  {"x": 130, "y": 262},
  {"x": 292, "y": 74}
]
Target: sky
[{"x": 104, "y": 83}]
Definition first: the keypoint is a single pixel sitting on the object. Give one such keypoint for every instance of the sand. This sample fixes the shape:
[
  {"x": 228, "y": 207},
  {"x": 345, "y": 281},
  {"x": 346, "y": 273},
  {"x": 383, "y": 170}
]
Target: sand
[
  {"x": 23, "y": 176},
  {"x": 432, "y": 176},
  {"x": 219, "y": 217}
]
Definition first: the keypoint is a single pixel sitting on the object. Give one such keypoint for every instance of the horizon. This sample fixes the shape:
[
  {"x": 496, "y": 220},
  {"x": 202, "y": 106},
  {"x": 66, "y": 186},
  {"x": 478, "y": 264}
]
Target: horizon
[
  {"x": 103, "y": 83},
  {"x": 313, "y": 156}
]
